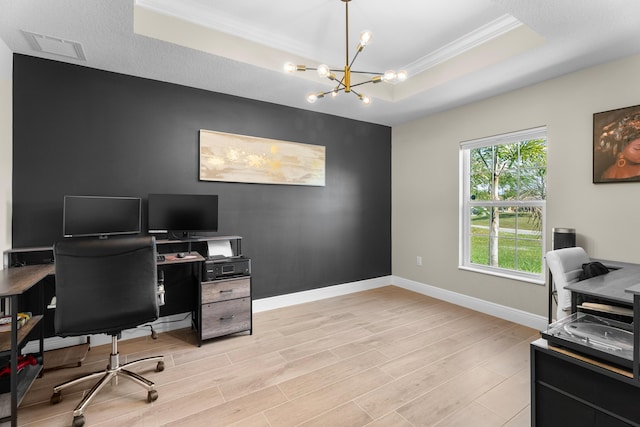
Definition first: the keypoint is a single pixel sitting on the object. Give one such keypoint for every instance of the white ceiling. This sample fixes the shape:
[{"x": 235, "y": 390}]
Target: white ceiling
[{"x": 456, "y": 51}]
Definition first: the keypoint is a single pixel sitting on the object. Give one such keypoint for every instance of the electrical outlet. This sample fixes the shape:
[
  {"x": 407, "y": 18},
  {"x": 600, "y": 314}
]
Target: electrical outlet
[{"x": 418, "y": 260}]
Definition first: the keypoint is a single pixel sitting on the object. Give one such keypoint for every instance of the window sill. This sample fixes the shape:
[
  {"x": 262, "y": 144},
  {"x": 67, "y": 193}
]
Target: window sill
[{"x": 504, "y": 274}]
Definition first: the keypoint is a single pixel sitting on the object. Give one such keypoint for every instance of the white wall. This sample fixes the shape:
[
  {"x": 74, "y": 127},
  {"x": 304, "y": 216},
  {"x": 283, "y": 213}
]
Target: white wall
[
  {"x": 425, "y": 182},
  {"x": 6, "y": 146}
]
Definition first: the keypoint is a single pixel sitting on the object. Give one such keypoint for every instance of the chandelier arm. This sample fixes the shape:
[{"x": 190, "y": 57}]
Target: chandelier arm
[
  {"x": 361, "y": 83},
  {"x": 328, "y": 92},
  {"x": 341, "y": 82},
  {"x": 354, "y": 57},
  {"x": 373, "y": 73}
]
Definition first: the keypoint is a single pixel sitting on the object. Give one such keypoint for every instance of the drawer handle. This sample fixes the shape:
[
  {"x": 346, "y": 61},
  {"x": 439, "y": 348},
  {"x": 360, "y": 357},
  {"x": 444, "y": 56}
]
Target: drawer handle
[
  {"x": 227, "y": 318},
  {"x": 226, "y": 291}
]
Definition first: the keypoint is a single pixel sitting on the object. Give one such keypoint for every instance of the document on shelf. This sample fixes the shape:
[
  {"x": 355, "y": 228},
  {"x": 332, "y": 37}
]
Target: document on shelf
[{"x": 219, "y": 248}]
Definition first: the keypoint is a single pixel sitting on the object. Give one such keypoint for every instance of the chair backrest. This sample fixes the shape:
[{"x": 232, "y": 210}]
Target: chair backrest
[
  {"x": 565, "y": 266},
  {"x": 105, "y": 286}
]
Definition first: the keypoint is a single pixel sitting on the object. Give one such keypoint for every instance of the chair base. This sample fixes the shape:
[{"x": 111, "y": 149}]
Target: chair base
[{"x": 114, "y": 371}]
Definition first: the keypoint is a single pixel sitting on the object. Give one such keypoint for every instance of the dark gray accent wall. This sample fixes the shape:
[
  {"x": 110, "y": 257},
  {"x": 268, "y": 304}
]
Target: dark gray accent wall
[{"x": 81, "y": 131}]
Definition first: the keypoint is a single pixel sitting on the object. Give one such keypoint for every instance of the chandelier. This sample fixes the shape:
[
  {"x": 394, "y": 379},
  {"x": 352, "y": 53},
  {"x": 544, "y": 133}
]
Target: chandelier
[{"x": 343, "y": 81}]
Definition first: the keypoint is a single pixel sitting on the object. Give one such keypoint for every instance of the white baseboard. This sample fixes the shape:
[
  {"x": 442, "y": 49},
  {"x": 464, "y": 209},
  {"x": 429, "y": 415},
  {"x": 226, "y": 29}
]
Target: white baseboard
[
  {"x": 503, "y": 312},
  {"x": 271, "y": 303},
  {"x": 513, "y": 315},
  {"x": 183, "y": 320}
]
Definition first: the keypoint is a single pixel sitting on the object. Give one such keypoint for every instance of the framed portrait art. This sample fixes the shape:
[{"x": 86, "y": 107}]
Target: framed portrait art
[{"x": 616, "y": 145}]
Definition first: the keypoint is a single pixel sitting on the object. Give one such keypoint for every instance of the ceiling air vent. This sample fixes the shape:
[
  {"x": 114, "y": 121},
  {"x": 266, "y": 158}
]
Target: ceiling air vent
[{"x": 54, "y": 45}]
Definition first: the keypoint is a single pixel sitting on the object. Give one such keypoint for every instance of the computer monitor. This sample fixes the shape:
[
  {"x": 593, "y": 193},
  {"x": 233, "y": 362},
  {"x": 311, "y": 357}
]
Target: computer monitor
[
  {"x": 185, "y": 214},
  {"x": 100, "y": 216}
]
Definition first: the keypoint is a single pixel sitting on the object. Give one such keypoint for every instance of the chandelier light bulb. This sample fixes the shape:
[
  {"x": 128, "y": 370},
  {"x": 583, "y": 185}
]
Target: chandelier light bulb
[
  {"x": 402, "y": 75},
  {"x": 289, "y": 67},
  {"x": 334, "y": 93},
  {"x": 365, "y": 38},
  {"x": 313, "y": 97},
  {"x": 365, "y": 99},
  {"x": 324, "y": 70},
  {"x": 389, "y": 76}
]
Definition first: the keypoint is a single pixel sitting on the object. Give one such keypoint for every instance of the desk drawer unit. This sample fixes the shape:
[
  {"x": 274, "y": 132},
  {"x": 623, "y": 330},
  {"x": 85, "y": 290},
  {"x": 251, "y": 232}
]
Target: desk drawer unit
[
  {"x": 225, "y": 307},
  {"x": 224, "y": 290},
  {"x": 226, "y": 317}
]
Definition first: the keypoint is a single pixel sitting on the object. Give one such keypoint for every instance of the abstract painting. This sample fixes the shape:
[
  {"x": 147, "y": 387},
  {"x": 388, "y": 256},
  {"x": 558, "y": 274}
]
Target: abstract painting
[{"x": 239, "y": 158}]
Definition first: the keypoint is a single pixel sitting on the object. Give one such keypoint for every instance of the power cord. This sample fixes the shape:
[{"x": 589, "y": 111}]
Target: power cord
[{"x": 154, "y": 334}]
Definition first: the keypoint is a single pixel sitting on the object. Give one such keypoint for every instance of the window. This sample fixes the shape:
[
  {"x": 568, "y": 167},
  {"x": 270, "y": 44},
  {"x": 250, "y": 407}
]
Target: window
[{"x": 502, "y": 218}]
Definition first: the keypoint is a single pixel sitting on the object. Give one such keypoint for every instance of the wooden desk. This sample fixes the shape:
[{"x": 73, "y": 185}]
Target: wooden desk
[
  {"x": 183, "y": 283},
  {"x": 13, "y": 283}
]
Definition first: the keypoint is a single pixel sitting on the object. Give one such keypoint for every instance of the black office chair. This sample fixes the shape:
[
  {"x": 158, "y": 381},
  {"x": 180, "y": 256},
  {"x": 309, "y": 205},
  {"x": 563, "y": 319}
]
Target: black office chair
[{"x": 104, "y": 287}]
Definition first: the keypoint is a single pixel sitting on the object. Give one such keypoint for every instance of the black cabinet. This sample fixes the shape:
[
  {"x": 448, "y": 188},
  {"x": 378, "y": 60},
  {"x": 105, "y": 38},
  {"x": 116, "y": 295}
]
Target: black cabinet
[{"x": 567, "y": 391}]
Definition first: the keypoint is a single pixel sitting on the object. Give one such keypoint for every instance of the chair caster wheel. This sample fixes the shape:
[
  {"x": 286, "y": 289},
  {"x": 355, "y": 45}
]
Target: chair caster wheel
[
  {"x": 152, "y": 396},
  {"x": 160, "y": 366},
  {"x": 78, "y": 421},
  {"x": 56, "y": 398}
]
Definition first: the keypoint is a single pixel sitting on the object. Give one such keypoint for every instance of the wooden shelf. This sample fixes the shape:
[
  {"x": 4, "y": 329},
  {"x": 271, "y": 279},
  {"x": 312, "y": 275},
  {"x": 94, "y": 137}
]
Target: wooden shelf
[
  {"x": 607, "y": 308},
  {"x": 5, "y": 337},
  {"x": 170, "y": 259},
  {"x": 14, "y": 282},
  {"x": 627, "y": 373},
  {"x": 196, "y": 239},
  {"x": 65, "y": 357}
]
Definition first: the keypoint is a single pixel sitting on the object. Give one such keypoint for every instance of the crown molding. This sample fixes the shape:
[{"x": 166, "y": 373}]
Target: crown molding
[
  {"x": 227, "y": 24},
  {"x": 475, "y": 38},
  {"x": 224, "y": 23}
]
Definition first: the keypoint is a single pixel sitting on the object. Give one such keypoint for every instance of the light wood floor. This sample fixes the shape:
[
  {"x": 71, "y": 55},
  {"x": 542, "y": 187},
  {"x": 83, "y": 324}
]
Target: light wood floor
[{"x": 385, "y": 357}]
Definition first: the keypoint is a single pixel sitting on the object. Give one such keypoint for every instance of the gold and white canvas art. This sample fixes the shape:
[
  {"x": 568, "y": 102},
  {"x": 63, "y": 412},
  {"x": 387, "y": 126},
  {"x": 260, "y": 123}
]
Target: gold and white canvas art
[{"x": 239, "y": 158}]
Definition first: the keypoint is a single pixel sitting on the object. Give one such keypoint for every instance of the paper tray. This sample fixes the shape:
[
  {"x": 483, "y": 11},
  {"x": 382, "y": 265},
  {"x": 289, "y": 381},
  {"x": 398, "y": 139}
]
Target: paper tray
[{"x": 594, "y": 336}]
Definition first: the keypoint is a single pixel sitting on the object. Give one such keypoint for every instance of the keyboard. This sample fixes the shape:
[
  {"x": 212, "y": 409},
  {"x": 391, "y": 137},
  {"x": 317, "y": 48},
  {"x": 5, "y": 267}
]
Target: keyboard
[{"x": 160, "y": 258}]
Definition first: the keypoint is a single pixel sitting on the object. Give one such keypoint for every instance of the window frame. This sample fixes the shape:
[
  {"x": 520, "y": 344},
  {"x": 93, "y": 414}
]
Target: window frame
[{"x": 466, "y": 204}]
